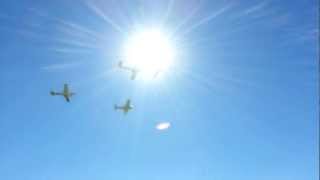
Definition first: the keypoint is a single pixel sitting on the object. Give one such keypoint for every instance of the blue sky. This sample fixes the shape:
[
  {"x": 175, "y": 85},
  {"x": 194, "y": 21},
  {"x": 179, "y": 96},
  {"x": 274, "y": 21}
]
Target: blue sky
[{"x": 242, "y": 97}]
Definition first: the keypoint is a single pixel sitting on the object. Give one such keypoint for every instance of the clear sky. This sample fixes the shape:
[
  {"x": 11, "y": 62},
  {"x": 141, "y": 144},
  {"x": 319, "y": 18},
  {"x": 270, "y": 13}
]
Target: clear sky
[{"x": 242, "y": 96}]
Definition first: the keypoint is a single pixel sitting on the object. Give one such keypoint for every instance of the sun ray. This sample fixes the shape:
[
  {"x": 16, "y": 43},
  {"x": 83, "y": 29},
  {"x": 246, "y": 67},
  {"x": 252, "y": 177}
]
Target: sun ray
[
  {"x": 206, "y": 19},
  {"x": 225, "y": 82},
  {"x": 76, "y": 28},
  {"x": 193, "y": 12},
  {"x": 78, "y": 44},
  {"x": 65, "y": 50},
  {"x": 168, "y": 11},
  {"x": 70, "y": 28},
  {"x": 105, "y": 17}
]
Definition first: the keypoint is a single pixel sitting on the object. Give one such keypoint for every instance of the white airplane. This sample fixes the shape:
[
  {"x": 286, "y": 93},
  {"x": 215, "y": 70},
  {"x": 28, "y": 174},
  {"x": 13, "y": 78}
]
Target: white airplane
[
  {"x": 125, "y": 108},
  {"x": 66, "y": 93},
  {"x": 134, "y": 71}
]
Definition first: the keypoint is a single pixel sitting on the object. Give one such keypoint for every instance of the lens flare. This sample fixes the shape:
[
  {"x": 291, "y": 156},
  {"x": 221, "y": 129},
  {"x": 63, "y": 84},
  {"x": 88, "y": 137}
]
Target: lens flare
[
  {"x": 150, "y": 52},
  {"x": 163, "y": 126}
]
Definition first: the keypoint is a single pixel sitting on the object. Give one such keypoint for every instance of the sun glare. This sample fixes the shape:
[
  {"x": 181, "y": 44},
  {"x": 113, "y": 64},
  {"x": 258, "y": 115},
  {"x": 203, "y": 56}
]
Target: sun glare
[{"x": 150, "y": 52}]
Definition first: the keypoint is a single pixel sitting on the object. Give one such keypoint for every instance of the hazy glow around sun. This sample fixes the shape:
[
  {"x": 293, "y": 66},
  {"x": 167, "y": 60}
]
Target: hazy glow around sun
[{"x": 150, "y": 52}]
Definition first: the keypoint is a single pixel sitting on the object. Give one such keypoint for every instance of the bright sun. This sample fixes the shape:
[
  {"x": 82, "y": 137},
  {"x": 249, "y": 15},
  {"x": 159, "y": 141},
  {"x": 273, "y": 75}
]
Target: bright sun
[{"x": 150, "y": 52}]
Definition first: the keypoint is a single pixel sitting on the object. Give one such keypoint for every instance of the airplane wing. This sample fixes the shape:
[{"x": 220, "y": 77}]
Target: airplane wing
[
  {"x": 123, "y": 67},
  {"x": 66, "y": 89},
  {"x": 128, "y": 68}
]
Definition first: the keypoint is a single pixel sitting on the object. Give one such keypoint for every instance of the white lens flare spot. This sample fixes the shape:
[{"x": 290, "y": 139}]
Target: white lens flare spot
[
  {"x": 150, "y": 52},
  {"x": 163, "y": 126}
]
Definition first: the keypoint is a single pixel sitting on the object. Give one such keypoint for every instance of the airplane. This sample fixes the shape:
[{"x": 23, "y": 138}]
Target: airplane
[
  {"x": 125, "y": 108},
  {"x": 66, "y": 93},
  {"x": 134, "y": 71}
]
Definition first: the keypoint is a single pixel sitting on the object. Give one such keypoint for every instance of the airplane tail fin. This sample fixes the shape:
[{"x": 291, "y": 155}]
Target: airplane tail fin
[{"x": 52, "y": 93}]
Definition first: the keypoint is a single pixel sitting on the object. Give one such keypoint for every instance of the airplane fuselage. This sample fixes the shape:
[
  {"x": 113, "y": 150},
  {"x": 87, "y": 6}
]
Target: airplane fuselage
[
  {"x": 125, "y": 109},
  {"x": 66, "y": 93},
  {"x": 134, "y": 71}
]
